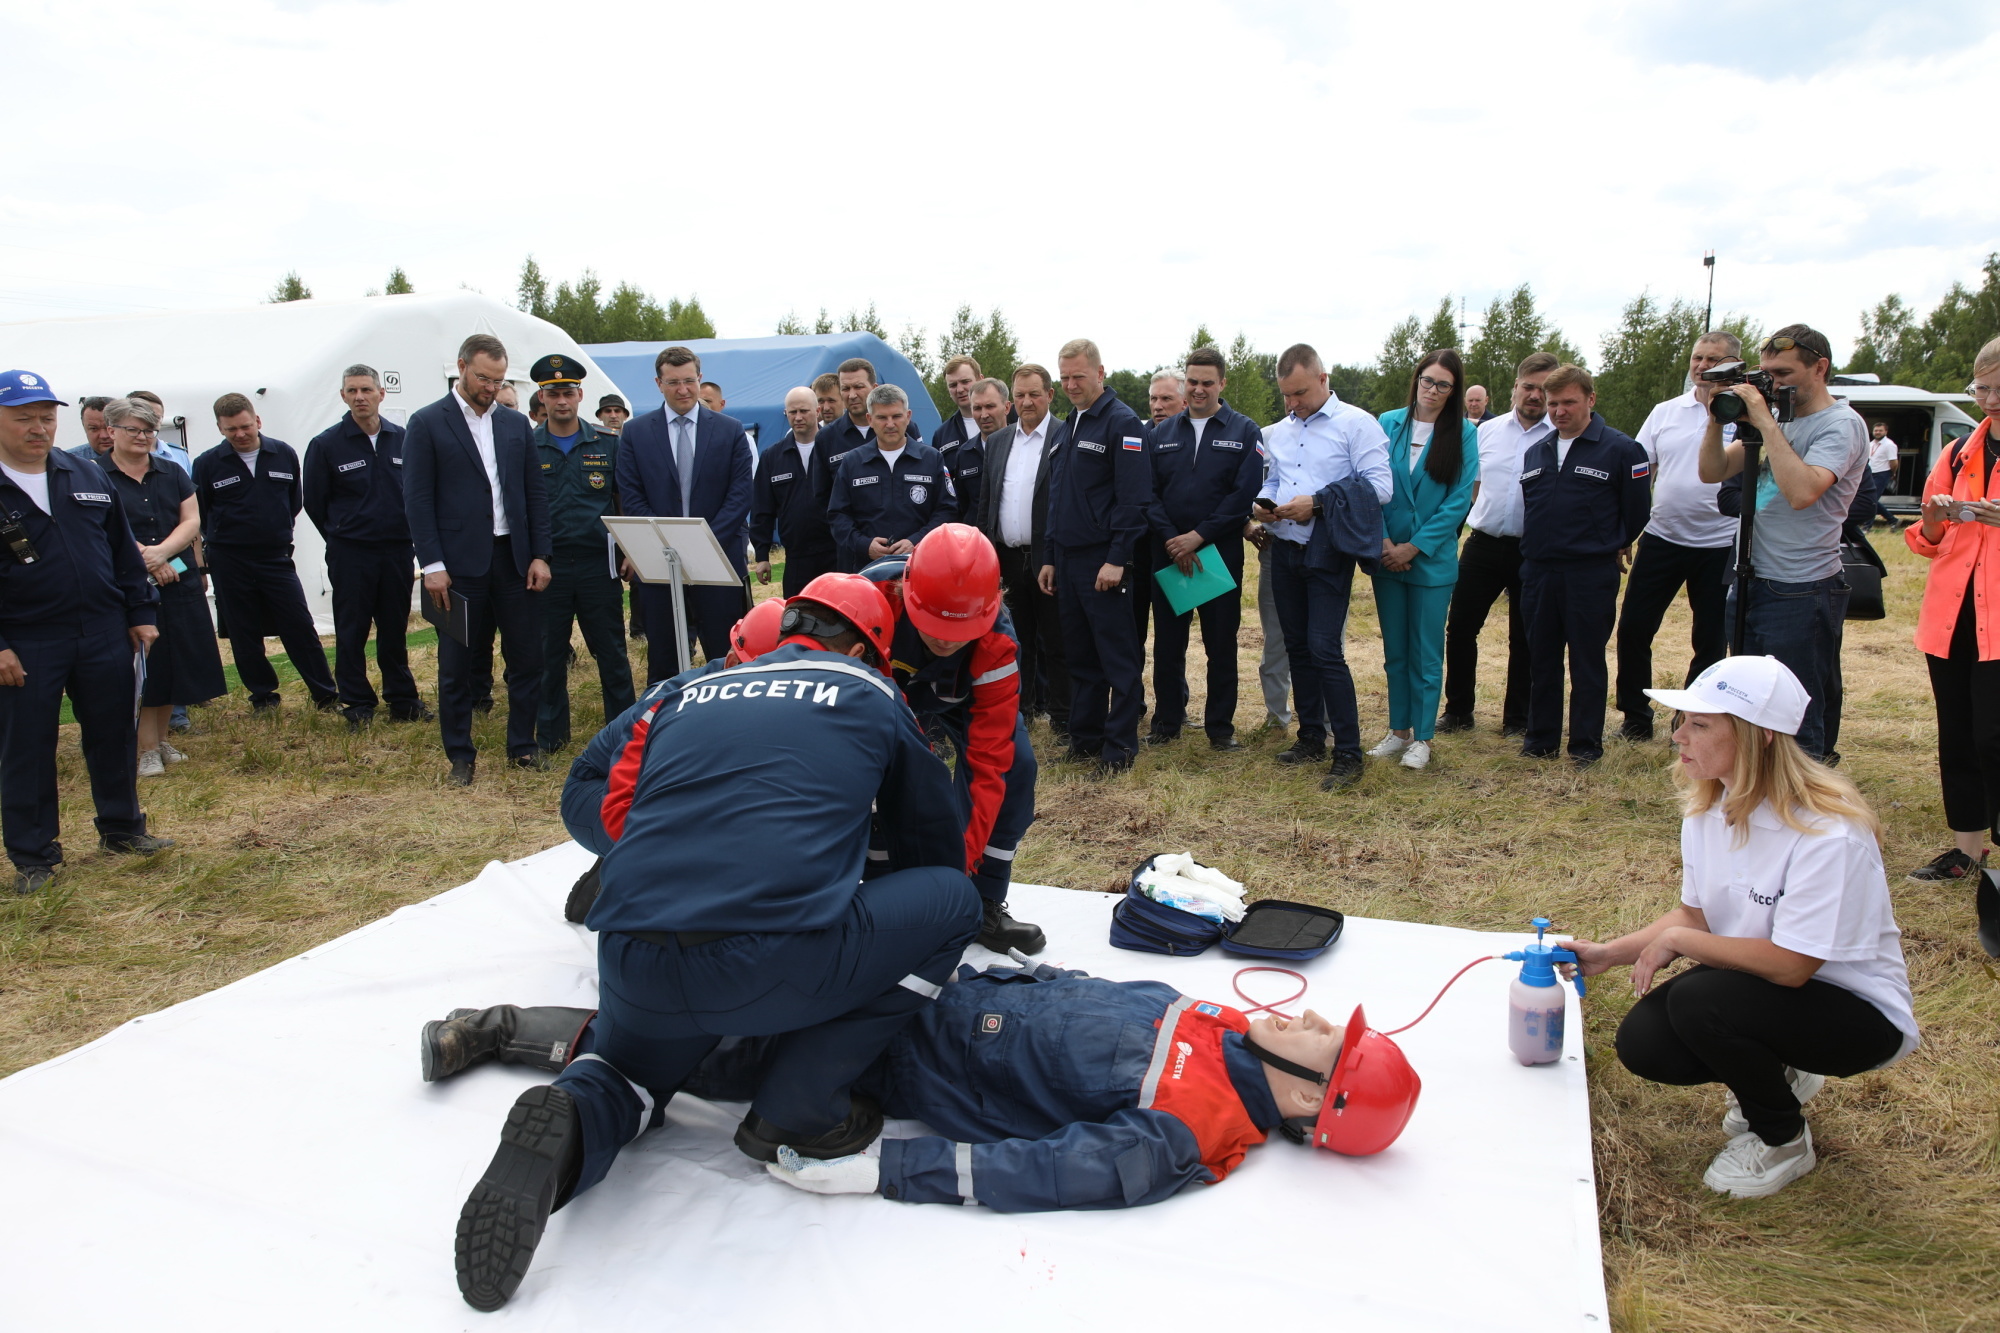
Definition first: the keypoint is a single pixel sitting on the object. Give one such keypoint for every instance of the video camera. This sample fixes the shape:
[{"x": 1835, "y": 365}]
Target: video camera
[{"x": 1727, "y": 407}]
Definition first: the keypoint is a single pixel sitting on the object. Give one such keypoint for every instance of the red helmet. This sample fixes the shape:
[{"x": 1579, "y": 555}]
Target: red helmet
[
  {"x": 860, "y": 603},
  {"x": 757, "y": 633},
  {"x": 951, "y": 588},
  {"x": 1370, "y": 1096}
]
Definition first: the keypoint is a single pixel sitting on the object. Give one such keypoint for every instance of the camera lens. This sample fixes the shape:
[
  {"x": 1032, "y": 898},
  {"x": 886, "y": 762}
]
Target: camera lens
[{"x": 1727, "y": 407}]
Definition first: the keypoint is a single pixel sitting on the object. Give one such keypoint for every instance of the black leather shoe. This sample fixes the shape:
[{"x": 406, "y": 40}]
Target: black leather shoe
[
  {"x": 1637, "y": 727},
  {"x": 34, "y": 879},
  {"x": 540, "y": 1153},
  {"x": 1110, "y": 768},
  {"x": 1303, "y": 752},
  {"x": 1511, "y": 730},
  {"x": 1584, "y": 760},
  {"x": 759, "y": 1139},
  {"x": 1454, "y": 722},
  {"x": 265, "y": 705},
  {"x": 1161, "y": 737},
  {"x": 536, "y": 762},
  {"x": 1000, "y": 932},
  {"x": 421, "y": 713},
  {"x": 1526, "y": 753},
  {"x": 461, "y": 773},
  {"x": 134, "y": 844},
  {"x": 1225, "y": 745},
  {"x": 359, "y": 718},
  {"x": 1344, "y": 772},
  {"x": 1072, "y": 755},
  {"x": 327, "y": 704}
]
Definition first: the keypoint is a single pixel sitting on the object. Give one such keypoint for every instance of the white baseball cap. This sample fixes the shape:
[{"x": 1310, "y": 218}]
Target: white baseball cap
[{"x": 1760, "y": 690}]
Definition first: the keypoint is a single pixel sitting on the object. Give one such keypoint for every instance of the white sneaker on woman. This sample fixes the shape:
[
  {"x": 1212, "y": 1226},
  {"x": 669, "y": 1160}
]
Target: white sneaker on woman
[
  {"x": 150, "y": 765},
  {"x": 1750, "y": 1168},
  {"x": 1389, "y": 746},
  {"x": 1805, "y": 1087},
  {"x": 1417, "y": 754},
  {"x": 168, "y": 754}
]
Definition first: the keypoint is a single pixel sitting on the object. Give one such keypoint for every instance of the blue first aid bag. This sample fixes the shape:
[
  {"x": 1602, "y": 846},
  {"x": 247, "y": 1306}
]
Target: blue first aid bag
[
  {"x": 1270, "y": 928},
  {"x": 1140, "y": 924}
]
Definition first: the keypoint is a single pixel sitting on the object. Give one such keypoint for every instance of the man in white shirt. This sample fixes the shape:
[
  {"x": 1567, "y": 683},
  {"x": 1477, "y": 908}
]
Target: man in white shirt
[
  {"x": 1490, "y": 561},
  {"x": 1320, "y": 441},
  {"x": 1883, "y": 455},
  {"x": 1013, "y": 512},
  {"x": 1687, "y": 541}
]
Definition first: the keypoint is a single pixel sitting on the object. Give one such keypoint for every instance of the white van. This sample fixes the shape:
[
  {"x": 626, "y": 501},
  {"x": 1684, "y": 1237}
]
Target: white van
[{"x": 1919, "y": 421}]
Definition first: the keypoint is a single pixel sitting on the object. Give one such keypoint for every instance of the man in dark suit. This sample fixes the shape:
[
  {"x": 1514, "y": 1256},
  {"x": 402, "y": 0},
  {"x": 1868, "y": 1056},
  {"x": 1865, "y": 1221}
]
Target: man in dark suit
[
  {"x": 958, "y": 439},
  {"x": 788, "y": 499},
  {"x": 1013, "y": 512},
  {"x": 479, "y": 515},
  {"x": 681, "y": 460}
]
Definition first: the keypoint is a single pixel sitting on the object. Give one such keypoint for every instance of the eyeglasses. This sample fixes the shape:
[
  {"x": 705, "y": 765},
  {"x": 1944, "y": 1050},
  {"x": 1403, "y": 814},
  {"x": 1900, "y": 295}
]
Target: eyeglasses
[
  {"x": 141, "y": 431},
  {"x": 1978, "y": 390},
  {"x": 1435, "y": 386},
  {"x": 1793, "y": 344},
  {"x": 488, "y": 380}
]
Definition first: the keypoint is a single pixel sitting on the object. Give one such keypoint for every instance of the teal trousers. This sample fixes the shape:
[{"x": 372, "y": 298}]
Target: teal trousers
[{"x": 1412, "y": 618}]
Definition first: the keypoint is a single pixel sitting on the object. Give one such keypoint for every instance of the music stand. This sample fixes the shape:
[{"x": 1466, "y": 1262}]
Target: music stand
[{"x": 679, "y": 552}]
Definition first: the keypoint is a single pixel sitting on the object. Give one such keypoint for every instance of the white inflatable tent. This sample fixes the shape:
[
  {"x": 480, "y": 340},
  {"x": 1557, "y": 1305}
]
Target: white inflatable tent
[{"x": 288, "y": 359}]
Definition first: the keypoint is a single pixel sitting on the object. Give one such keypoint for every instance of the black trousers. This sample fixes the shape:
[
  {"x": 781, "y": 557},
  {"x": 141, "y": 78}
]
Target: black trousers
[
  {"x": 371, "y": 589},
  {"x": 1967, "y": 693},
  {"x": 1221, "y": 622},
  {"x": 1659, "y": 568},
  {"x": 803, "y": 566},
  {"x": 581, "y": 591},
  {"x": 1106, "y": 662},
  {"x": 1045, "y": 686},
  {"x": 1711, "y": 1026},
  {"x": 500, "y": 601},
  {"x": 1487, "y": 567},
  {"x": 95, "y": 668},
  {"x": 1145, "y": 558},
  {"x": 1570, "y": 606},
  {"x": 710, "y": 614},
  {"x": 257, "y": 591}
]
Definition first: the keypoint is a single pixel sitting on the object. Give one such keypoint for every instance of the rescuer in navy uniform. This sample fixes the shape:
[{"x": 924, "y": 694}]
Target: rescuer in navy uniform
[
  {"x": 788, "y": 499},
  {"x": 579, "y": 471},
  {"x": 889, "y": 494},
  {"x": 75, "y": 605},
  {"x": 1100, "y": 492},
  {"x": 710, "y": 925},
  {"x": 1587, "y": 494}
]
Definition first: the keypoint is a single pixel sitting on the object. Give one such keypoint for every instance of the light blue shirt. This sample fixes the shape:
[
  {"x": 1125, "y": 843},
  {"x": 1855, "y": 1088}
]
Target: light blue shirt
[{"x": 1334, "y": 443}]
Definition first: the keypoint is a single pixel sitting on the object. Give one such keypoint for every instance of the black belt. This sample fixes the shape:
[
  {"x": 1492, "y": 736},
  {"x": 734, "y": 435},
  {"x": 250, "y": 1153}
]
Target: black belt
[{"x": 687, "y": 939}]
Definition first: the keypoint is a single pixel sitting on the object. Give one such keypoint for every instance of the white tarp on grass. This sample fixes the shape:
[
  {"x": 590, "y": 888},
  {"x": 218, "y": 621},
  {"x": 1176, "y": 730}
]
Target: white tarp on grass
[{"x": 266, "y": 1157}]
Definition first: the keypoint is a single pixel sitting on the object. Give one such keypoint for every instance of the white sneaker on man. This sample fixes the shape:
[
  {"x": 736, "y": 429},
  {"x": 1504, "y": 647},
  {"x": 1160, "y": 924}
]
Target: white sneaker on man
[
  {"x": 150, "y": 765},
  {"x": 1750, "y": 1168},
  {"x": 168, "y": 754},
  {"x": 1417, "y": 754},
  {"x": 1389, "y": 746},
  {"x": 1805, "y": 1087}
]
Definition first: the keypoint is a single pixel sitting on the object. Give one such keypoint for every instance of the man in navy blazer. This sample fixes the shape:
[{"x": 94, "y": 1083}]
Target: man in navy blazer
[
  {"x": 479, "y": 517},
  {"x": 716, "y": 486}
]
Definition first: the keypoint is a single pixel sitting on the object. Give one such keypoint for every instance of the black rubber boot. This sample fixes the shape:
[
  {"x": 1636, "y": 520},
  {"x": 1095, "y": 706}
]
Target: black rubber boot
[
  {"x": 542, "y": 1037},
  {"x": 530, "y": 1176},
  {"x": 583, "y": 893},
  {"x": 760, "y": 1139},
  {"x": 1986, "y": 900},
  {"x": 1000, "y": 932}
]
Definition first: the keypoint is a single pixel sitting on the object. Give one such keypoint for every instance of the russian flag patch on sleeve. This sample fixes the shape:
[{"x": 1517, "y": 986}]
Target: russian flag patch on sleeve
[
  {"x": 1135, "y": 444},
  {"x": 1641, "y": 469}
]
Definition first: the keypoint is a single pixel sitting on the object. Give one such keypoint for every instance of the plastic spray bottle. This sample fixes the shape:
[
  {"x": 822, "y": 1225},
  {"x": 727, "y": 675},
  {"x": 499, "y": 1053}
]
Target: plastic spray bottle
[{"x": 1535, "y": 1000}]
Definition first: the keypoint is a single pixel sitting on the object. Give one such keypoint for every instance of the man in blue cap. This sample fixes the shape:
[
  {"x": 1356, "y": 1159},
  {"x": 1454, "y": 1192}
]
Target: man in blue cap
[{"x": 76, "y": 612}]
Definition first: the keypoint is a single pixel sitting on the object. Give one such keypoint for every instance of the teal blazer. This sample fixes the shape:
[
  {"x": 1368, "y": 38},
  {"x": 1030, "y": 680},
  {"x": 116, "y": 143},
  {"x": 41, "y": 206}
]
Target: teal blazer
[{"x": 1422, "y": 511}]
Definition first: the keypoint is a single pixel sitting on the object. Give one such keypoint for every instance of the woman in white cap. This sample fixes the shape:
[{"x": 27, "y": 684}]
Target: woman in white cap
[{"x": 1785, "y": 912}]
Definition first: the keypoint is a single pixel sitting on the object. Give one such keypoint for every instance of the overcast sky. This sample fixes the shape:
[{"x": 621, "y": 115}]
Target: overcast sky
[{"x": 1300, "y": 171}]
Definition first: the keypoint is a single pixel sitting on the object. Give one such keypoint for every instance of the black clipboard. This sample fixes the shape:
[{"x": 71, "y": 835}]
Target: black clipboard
[{"x": 454, "y": 619}]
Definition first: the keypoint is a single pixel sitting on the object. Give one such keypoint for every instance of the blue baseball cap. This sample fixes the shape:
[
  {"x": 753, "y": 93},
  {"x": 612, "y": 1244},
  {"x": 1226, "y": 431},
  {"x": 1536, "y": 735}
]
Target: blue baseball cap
[{"x": 24, "y": 386}]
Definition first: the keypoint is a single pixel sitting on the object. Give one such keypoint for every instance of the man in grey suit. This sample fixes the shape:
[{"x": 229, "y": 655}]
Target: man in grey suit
[{"x": 1013, "y": 512}]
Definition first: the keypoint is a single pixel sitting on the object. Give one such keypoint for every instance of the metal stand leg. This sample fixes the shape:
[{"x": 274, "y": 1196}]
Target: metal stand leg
[{"x": 681, "y": 653}]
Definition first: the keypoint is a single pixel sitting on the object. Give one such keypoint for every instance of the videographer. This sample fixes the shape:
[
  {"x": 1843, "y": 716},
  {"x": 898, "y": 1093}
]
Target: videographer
[{"x": 1798, "y": 599}]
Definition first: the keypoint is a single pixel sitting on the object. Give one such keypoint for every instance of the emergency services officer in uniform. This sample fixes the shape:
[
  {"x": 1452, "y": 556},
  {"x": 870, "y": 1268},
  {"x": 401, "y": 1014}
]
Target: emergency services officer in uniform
[
  {"x": 250, "y": 497},
  {"x": 354, "y": 496},
  {"x": 75, "y": 607},
  {"x": 1208, "y": 464},
  {"x": 1100, "y": 492},
  {"x": 788, "y": 499},
  {"x": 889, "y": 494},
  {"x": 1586, "y": 495},
  {"x": 579, "y": 465},
  {"x": 708, "y": 926}
]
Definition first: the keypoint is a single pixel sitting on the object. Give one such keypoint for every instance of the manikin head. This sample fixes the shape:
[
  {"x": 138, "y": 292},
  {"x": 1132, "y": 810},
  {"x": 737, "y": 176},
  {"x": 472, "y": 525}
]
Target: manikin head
[{"x": 1308, "y": 1040}]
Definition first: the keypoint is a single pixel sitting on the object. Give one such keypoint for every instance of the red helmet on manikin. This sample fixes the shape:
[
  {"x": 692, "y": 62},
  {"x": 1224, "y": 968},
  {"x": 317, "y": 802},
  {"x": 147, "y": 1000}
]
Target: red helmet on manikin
[
  {"x": 1370, "y": 1096},
  {"x": 859, "y": 602},
  {"x": 951, "y": 588},
  {"x": 757, "y": 633}
]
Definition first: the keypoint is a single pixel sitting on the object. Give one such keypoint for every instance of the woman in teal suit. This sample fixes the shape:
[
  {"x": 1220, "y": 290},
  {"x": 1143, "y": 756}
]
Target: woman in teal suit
[{"x": 1434, "y": 454}]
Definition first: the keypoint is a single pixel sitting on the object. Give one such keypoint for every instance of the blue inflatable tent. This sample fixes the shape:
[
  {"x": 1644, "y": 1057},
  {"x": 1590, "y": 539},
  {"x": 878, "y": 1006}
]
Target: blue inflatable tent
[{"x": 756, "y": 373}]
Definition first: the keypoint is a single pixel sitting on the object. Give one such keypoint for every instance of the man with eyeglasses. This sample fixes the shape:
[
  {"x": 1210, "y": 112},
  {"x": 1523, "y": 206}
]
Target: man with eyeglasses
[{"x": 1811, "y": 468}]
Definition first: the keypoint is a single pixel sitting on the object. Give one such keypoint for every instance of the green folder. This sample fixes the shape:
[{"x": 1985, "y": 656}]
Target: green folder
[{"x": 1210, "y": 580}]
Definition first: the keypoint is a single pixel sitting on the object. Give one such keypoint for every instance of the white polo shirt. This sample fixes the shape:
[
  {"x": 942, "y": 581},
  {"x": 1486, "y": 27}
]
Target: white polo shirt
[
  {"x": 1821, "y": 894},
  {"x": 1684, "y": 511},
  {"x": 1499, "y": 509}
]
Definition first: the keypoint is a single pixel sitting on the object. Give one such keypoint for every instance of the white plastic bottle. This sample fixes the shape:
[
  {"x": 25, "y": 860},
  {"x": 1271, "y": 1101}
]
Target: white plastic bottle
[{"x": 1535, "y": 1001}]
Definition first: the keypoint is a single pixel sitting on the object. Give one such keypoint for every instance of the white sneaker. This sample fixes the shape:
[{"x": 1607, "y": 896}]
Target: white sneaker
[
  {"x": 1389, "y": 745},
  {"x": 150, "y": 765},
  {"x": 168, "y": 754},
  {"x": 1805, "y": 1087},
  {"x": 1417, "y": 755},
  {"x": 1750, "y": 1168}
]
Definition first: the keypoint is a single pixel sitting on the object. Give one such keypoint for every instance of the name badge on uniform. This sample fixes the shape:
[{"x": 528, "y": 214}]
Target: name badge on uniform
[
  {"x": 1592, "y": 472},
  {"x": 596, "y": 460},
  {"x": 226, "y": 481},
  {"x": 1236, "y": 445},
  {"x": 396, "y": 459},
  {"x": 1091, "y": 445},
  {"x": 279, "y": 476},
  {"x": 915, "y": 476},
  {"x": 968, "y": 472},
  {"x": 782, "y": 476},
  {"x": 91, "y": 497},
  {"x": 863, "y": 481},
  {"x": 1165, "y": 446},
  {"x": 349, "y": 467}
]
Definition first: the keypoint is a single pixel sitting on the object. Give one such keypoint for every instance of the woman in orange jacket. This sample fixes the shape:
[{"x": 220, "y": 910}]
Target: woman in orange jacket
[{"x": 1959, "y": 632}]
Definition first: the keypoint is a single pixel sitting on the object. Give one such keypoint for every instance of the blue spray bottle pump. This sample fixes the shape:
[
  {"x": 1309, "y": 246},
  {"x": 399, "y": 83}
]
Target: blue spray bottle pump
[{"x": 1535, "y": 1001}]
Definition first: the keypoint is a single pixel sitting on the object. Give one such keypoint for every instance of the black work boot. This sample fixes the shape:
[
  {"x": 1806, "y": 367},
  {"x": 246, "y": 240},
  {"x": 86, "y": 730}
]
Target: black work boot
[
  {"x": 1986, "y": 902},
  {"x": 530, "y": 1176},
  {"x": 583, "y": 893},
  {"x": 758, "y": 1138},
  {"x": 1000, "y": 932},
  {"x": 542, "y": 1037}
]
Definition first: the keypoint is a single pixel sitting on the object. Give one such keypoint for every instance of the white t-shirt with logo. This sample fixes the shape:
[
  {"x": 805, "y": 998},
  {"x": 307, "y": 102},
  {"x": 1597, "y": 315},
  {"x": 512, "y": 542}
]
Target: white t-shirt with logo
[
  {"x": 1822, "y": 894},
  {"x": 35, "y": 484}
]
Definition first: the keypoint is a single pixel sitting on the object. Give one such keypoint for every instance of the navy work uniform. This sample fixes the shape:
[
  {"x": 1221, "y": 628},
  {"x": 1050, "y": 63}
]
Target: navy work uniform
[
  {"x": 788, "y": 504},
  {"x": 1584, "y": 500},
  {"x": 354, "y": 496},
  {"x": 248, "y": 509},
  {"x": 579, "y": 472},
  {"x": 1100, "y": 493},
  {"x": 709, "y": 925},
  {"x": 1206, "y": 473},
  {"x": 900, "y": 501},
  {"x": 71, "y": 587},
  {"x": 965, "y": 459}
]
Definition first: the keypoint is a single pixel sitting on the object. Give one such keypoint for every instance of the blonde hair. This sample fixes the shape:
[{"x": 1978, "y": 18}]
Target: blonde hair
[
  {"x": 1770, "y": 767},
  {"x": 1988, "y": 358}
]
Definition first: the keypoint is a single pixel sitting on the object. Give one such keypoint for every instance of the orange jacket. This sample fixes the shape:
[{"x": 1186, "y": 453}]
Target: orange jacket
[{"x": 1964, "y": 553}]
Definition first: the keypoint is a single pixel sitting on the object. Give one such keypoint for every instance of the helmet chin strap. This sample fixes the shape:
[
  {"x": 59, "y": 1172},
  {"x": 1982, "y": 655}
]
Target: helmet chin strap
[{"x": 1297, "y": 1128}]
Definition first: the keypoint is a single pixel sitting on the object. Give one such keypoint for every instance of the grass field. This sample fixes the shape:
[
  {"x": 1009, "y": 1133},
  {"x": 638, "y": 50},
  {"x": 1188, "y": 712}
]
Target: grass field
[{"x": 292, "y": 831}]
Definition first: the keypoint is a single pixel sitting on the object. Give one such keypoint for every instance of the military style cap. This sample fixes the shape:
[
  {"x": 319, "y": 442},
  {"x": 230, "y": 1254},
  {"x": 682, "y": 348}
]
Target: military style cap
[
  {"x": 555, "y": 369},
  {"x": 18, "y": 387}
]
